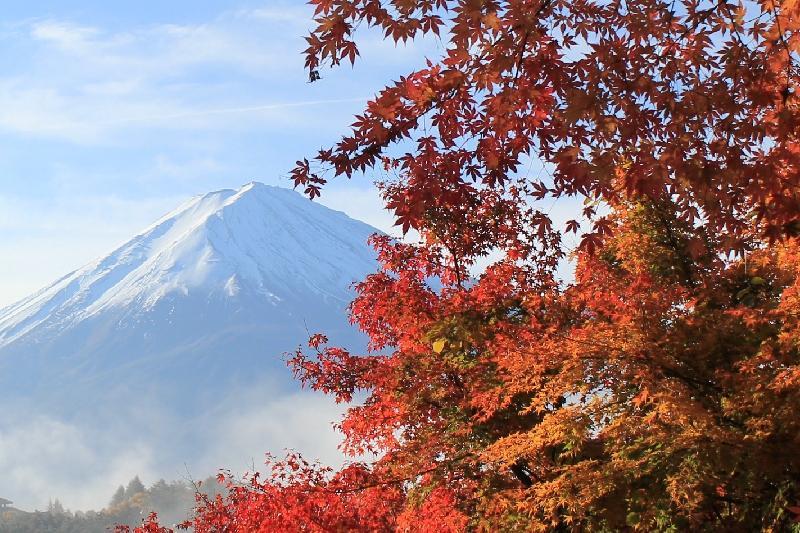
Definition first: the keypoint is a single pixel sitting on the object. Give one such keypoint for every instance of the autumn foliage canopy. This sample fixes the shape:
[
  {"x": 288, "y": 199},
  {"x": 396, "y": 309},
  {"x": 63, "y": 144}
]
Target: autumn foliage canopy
[{"x": 657, "y": 386}]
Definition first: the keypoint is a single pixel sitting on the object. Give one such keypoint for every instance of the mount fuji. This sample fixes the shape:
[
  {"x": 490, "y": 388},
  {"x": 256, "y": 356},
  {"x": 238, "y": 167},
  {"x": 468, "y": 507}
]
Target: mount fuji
[
  {"x": 187, "y": 316},
  {"x": 209, "y": 292}
]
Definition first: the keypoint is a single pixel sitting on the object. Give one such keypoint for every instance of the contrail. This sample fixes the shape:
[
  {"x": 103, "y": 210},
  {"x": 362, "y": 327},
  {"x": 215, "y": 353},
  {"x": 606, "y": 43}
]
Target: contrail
[
  {"x": 70, "y": 125},
  {"x": 229, "y": 110}
]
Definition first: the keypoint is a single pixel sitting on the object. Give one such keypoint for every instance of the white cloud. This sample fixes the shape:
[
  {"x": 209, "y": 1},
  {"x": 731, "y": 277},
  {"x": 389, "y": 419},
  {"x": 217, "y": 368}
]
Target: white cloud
[
  {"x": 241, "y": 110},
  {"x": 183, "y": 46},
  {"x": 48, "y": 113},
  {"x": 44, "y": 458},
  {"x": 84, "y": 84},
  {"x": 82, "y": 462},
  {"x": 90, "y": 85},
  {"x": 262, "y": 423},
  {"x": 64, "y": 35},
  {"x": 294, "y": 14},
  {"x": 163, "y": 49}
]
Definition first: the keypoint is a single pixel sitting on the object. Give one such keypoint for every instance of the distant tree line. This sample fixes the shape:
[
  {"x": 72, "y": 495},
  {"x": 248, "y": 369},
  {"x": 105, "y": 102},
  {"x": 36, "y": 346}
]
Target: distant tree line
[{"x": 173, "y": 501}]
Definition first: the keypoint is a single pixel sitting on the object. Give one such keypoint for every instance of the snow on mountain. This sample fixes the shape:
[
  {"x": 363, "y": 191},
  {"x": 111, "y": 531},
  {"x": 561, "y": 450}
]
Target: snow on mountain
[
  {"x": 166, "y": 355},
  {"x": 210, "y": 295},
  {"x": 269, "y": 239}
]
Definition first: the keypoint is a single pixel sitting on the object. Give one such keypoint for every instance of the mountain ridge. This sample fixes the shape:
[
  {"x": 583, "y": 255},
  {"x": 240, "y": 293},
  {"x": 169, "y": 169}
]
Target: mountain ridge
[
  {"x": 166, "y": 354},
  {"x": 177, "y": 253},
  {"x": 212, "y": 292}
]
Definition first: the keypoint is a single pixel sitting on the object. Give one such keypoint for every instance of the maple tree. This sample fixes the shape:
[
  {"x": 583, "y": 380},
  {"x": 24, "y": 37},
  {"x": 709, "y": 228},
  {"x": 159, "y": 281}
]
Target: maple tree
[
  {"x": 295, "y": 495},
  {"x": 657, "y": 390}
]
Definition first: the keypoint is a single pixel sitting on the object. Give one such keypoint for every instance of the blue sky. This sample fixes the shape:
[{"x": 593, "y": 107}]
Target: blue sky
[{"x": 111, "y": 113}]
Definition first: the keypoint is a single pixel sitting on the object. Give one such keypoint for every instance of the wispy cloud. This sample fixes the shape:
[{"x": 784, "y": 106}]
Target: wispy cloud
[
  {"x": 81, "y": 462},
  {"x": 161, "y": 49},
  {"x": 241, "y": 70},
  {"x": 64, "y": 35},
  {"x": 228, "y": 111},
  {"x": 46, "y": 458},
  {"x": 298, "y": 15},
  {"x": 48, "y": 113},
  {"x": 263, "y": 423},
  {"x": 83, "y": 84}
]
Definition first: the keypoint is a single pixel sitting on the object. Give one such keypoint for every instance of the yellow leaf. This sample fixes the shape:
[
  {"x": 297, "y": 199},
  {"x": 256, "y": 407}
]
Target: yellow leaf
[{"x": 438, "y": 345}]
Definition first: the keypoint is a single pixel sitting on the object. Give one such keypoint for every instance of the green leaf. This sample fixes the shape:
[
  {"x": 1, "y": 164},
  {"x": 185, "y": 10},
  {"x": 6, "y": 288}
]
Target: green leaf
[{"x": 742, "y": 293}]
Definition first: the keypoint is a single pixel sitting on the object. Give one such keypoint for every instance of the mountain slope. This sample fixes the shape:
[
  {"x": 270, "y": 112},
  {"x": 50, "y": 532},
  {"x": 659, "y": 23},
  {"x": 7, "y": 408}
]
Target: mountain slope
[{"x": 209, "y": 296}]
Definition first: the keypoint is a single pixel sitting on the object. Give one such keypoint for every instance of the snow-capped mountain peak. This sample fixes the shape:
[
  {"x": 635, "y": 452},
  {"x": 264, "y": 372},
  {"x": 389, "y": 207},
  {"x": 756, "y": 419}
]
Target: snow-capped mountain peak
[
  {"x": 169, "y": 335},
  {"x": 264, "y": 240}
]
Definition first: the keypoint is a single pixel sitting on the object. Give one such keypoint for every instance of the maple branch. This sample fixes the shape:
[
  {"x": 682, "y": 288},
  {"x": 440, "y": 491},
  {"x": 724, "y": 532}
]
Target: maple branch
[
  {"x": 669, "y": 371},
  {"x": 782, "y": 40},
  {"x": 680, "y": 253},
  {"x": 518, "y": 66},
  {"x": 522, "y": 472},
  {"x": 395, "y": 481}
]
